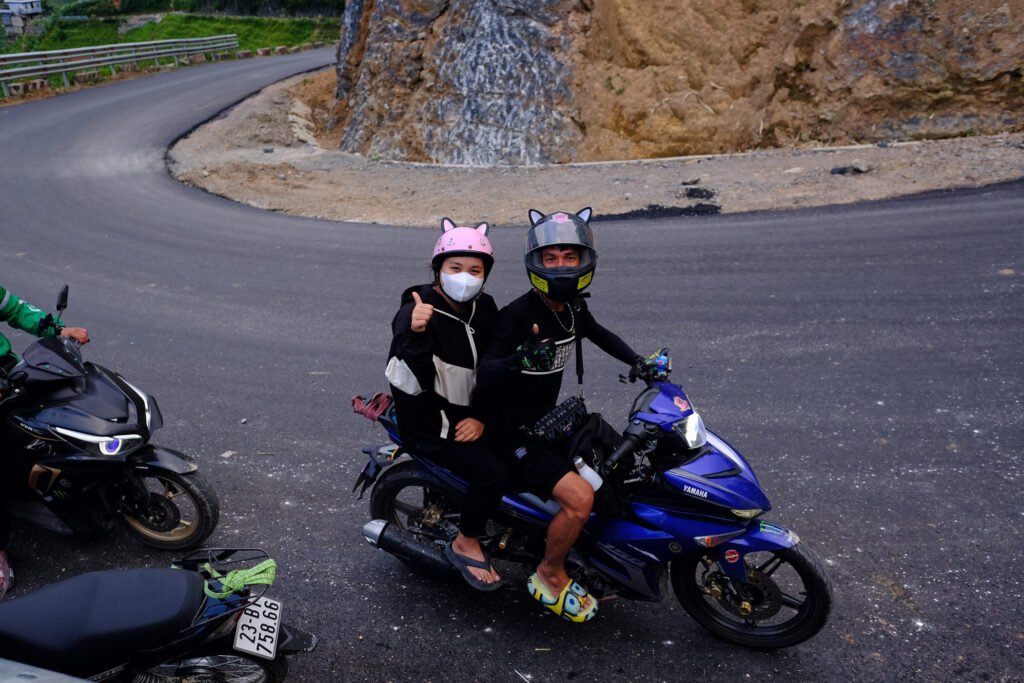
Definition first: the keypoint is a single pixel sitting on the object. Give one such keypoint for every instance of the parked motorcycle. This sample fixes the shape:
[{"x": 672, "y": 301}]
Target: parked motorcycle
[
  {"x": 677, "y": 502},
  {"x": 205, "y": 619},
  {"x": 78, "y": 457}
]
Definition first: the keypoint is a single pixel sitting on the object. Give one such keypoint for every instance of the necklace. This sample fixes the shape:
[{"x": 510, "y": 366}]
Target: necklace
[{"x": 572, "y": 317}]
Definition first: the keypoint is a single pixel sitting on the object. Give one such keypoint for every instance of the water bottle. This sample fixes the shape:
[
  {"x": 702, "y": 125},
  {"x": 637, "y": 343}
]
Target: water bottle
[
  {"x": 587, "y": 472},
  {"x": 661, "y": 365}
]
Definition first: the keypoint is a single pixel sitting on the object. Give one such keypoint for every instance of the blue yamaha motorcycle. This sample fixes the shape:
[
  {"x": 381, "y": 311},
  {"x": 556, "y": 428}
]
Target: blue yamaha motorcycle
[{"x": 678, "y": 504}]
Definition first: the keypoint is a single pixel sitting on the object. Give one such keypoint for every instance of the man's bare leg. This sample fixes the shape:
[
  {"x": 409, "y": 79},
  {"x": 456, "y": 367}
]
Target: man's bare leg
[{"x": 577, "y": 499}]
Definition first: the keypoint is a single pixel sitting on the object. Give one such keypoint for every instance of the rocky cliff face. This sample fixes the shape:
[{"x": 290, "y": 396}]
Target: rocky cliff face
[
  {"x": 515, "y": 81},
  {"x": 474, "y": 82}
]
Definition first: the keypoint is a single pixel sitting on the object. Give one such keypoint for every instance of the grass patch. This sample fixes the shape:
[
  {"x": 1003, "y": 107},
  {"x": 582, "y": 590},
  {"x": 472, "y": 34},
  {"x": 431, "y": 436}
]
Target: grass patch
[{"x": 253, "y": 32}]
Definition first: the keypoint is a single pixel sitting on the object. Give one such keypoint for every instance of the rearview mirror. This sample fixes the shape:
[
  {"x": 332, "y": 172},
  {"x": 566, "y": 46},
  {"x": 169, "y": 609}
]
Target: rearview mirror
[{"x": 62, "y": 299}]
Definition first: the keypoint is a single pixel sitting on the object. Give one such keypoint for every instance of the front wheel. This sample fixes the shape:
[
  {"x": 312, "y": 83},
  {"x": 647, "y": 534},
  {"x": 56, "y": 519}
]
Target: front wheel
[
  {"x": 225, "y": 668},
  {"x": 178, "y": 511},
  {"x": 786, "y": 599}
]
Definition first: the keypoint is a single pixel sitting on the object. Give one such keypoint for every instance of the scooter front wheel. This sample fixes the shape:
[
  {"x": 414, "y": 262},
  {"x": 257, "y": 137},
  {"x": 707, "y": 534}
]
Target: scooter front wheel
[
  {"x": 236, "y": 668},
  {"x": 180, "y": 512},
  {"x": 786, "y": 599}
]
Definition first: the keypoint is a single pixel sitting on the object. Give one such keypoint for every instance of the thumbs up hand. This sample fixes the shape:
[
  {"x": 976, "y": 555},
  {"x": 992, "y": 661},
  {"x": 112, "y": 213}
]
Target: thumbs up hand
[
  {"x": 536, "y": 355},
  {"x": 421, "y": 314}
]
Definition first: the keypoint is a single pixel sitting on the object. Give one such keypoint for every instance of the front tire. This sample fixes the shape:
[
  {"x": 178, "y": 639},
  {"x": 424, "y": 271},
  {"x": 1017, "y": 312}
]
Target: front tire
[
  {"x": 181, "y": 512},
  {"x": 786, "y": 601},
  {"x": 225, "y": 668}
]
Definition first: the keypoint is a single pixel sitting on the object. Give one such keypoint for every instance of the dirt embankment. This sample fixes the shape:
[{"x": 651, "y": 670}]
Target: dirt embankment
[
  {"x": 553, "y": 81},
  {"x": 274, "y": 151}
]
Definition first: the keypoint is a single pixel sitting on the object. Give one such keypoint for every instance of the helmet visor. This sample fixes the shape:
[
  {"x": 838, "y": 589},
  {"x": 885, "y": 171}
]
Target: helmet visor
[
  {"x": 549, "y": 233},
  {"x": 568, "y": 233}
]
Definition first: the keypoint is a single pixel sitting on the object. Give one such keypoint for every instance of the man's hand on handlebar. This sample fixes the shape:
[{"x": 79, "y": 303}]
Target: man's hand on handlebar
[
  {"x": 652, "y": 367},
  {"x": 79, "y": 334}
]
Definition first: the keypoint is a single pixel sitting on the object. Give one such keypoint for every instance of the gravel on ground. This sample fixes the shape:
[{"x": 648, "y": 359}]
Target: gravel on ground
[{"x": 273, "y": 151}]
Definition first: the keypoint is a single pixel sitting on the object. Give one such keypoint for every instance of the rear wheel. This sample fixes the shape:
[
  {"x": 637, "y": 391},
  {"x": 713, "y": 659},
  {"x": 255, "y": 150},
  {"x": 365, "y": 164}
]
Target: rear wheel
[
  {"x": 227, "y": 668},
  {"x": 786, "y": 599},
  {"x": 181, "y": 510},
  {"x": 407, "y": 496}
]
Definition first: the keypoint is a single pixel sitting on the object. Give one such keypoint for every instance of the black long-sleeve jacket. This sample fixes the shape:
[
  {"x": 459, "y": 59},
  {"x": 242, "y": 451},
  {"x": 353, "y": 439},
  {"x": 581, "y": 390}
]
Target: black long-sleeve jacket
[
  {"x": 511, "y": 397},
  {"x": 433, "y": 373}
]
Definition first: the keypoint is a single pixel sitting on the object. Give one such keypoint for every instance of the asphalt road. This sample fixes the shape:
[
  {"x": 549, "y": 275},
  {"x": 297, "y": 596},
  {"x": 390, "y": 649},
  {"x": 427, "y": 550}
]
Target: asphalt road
[{"x": 867, "y": 360}]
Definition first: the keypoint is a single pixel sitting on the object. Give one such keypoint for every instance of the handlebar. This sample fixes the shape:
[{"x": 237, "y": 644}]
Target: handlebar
[
  {"x": 625, "y": 448},
  {"x": 655, "y": 367}
]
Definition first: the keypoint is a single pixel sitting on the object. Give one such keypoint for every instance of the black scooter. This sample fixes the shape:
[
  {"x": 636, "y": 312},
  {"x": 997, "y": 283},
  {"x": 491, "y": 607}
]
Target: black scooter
[
  {"x": 205, "y": 619},
  {"x": 77, "y": 455}
]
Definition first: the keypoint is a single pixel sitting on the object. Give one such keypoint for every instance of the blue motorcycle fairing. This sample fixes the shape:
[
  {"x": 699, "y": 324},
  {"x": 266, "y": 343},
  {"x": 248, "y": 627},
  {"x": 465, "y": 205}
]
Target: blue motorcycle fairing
[
  {"x": 667, "y": 407},
  {"x": 733, "y": 487},
  {"x": 761, "y": 536},
  {"x": 633, "y": 555}
]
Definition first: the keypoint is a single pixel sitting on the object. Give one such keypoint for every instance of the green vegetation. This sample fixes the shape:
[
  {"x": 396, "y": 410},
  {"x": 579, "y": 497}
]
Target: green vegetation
[
  {"x": 253, "y": 32},
  {"x": 330, "y": 8},
  {"x": 65, "y": 35}
]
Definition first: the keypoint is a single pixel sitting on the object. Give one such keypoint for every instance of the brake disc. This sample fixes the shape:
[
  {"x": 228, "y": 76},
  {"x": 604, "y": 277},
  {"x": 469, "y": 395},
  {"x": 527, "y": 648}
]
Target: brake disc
[
  {"x": 160, "y": 514},
  {"x": 761, "y": 592}
]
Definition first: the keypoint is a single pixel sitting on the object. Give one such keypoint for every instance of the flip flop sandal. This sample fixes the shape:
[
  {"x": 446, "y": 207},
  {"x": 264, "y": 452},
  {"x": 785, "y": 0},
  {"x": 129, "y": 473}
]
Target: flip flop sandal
[
  {"x": 463, "y": 563},
  {"x": 573, "y": 603}
]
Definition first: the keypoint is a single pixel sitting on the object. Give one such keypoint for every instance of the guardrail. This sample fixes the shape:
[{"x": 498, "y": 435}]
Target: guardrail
[{"x": 28, "y": 65}]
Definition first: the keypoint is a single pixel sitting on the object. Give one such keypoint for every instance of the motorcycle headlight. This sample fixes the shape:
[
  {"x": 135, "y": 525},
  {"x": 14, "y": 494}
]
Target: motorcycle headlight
[
  {"x": 103, "y": 445},
  {"x": 748, "y": 514},
  {"x": 691, "y": 429}
]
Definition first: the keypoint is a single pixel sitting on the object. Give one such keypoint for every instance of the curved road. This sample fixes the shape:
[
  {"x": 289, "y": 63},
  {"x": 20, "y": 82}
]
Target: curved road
[{"x": 866, "y": 359}]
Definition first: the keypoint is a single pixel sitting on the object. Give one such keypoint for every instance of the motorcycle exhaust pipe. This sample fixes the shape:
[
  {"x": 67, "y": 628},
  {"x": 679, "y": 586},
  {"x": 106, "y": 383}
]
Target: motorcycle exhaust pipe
[{"x": 400, "y": 543}]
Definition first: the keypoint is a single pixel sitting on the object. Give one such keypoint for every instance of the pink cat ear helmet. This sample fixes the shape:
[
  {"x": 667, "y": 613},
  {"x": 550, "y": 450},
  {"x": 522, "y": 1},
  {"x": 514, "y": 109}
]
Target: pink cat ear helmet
[
  {"x": 459, "y": 240},
  {"x": 564, "y": 230}
]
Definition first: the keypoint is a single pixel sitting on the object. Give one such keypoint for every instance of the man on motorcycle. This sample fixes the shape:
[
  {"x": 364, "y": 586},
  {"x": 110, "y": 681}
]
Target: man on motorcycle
[
  {"x": 23, "y": 316},
  {"x": 520, "y": 379}
]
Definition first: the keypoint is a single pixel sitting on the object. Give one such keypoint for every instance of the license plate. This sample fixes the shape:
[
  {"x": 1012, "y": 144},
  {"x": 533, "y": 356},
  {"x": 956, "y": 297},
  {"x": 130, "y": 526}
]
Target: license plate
[{"x": 258, "y": 628}]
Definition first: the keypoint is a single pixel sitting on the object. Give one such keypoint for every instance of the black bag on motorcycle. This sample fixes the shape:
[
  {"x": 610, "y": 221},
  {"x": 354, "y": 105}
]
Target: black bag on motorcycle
[{"x": 594, "y": 440}]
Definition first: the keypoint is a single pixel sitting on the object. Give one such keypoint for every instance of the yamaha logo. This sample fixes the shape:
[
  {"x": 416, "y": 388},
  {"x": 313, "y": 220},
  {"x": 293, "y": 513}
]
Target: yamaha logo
[{"x": 695, "y": 491}]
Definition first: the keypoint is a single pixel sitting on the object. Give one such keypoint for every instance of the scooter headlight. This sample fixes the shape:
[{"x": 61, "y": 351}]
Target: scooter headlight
[
  {"x": 691, "y": 429},
  {"x": 748, "y": 514},
  {"x": 112, "y": 447}
]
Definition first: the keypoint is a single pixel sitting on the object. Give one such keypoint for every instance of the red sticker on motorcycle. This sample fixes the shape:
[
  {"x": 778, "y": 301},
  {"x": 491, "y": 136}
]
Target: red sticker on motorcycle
[
  {"x": 681, "y": 404},
  {"x": 732, "y": 555}
]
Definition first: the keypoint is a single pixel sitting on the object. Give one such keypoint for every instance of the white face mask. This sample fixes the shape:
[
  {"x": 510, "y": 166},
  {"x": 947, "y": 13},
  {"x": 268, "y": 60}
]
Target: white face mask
[{"x": 461, "y": 287}]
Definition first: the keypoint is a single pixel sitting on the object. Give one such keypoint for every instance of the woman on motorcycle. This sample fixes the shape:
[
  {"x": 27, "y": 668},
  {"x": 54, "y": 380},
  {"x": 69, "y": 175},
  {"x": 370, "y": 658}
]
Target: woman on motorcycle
[{"x": 440, "y": 333}]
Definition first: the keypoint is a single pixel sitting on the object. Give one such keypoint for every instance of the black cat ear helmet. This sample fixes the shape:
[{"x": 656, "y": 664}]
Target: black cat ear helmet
[{"x": 565, "y": 230}]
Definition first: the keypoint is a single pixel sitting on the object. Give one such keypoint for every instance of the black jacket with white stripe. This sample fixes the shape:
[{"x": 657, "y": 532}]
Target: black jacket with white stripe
[{"x": 433, "y": 373}]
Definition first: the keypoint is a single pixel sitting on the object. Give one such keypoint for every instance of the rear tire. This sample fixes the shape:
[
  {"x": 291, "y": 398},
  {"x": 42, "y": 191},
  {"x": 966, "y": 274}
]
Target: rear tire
[
  {"x": 789, "y": 597},
  {"x": 414, "y": 500},
  {"x": 183, "y": 510},
  {"x": 227, "y": 668}
]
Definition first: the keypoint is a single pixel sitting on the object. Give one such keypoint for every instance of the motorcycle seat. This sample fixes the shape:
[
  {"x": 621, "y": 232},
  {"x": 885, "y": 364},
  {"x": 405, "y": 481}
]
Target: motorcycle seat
[{"x": 88, "y": 623}]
